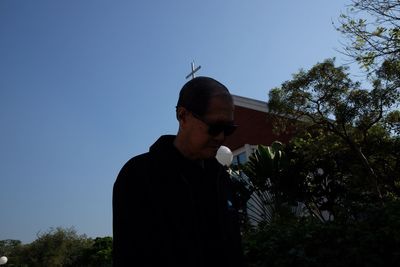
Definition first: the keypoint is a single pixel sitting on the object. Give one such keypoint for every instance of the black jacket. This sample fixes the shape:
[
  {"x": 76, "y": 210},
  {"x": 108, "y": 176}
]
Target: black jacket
[{"x": 170, "y": 211}]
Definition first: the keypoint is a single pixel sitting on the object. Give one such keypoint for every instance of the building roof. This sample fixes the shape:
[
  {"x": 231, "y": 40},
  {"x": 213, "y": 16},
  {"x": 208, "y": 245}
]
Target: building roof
[{"x": 250, "y": 103}]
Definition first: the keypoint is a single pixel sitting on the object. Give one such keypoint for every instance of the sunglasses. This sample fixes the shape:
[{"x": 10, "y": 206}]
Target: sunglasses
[{"x": 215, "y": 129}]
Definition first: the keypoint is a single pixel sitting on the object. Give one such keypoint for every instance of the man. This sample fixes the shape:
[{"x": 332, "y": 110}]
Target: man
[{"x": 173, "y": 205}]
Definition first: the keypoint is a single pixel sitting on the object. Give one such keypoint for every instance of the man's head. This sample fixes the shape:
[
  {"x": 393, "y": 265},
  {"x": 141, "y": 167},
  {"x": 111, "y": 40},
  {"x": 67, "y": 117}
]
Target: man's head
[{"x": 205, "y": 114}]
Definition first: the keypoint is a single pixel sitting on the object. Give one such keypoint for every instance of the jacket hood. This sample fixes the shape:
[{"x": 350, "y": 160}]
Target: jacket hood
[{"x": 164, "y": 144}]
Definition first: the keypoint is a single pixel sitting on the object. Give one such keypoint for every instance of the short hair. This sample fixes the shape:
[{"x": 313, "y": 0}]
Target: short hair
[{"x": 196, "y": 94}]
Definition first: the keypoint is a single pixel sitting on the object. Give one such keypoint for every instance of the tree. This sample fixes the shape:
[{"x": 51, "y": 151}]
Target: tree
[
  {"x": 372, "y": 31},
  {"x": 343, "y": 164},
  {"x": 345, "y": 156},
  {"x": 59, "y": 247},
  {"x": 11, "y": 249},
  {"x": 56, "y": 247},
  {"x": 7, "y": 245},
  {"x": 327, "y": 101},
  {"x": 99, "y": 254}
]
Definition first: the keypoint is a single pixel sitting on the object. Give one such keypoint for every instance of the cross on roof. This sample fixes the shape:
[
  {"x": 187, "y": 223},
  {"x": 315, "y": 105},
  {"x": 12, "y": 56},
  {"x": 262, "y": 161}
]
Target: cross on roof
[{"x": 193, "y": 71}]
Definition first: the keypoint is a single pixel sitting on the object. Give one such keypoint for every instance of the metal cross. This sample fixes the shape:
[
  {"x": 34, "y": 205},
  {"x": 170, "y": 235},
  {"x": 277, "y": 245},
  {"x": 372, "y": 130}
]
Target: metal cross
[{"x": 193, "y": 71}]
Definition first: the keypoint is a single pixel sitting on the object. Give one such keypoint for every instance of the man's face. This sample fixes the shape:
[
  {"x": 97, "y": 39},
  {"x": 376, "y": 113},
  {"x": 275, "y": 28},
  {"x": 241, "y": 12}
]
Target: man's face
[{"x": 200, "y": 142}]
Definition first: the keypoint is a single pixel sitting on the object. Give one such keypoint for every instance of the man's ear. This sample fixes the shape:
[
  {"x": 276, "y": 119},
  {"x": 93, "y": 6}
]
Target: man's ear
[{"x": 181, "y": 113}]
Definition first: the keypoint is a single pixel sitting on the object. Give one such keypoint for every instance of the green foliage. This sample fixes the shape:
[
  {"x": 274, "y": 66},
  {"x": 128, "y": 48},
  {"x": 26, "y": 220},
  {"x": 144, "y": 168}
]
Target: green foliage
[
  {"x": 8, "y": 245},
  {"x": 99, "y": 254},
  {"x": 373, "y": 241},
  {"x": 11, "y": 249},
  {"x": 264, "y": 165},
  {"x": 393, "y": 122},
  {"x": 270, "y": 190},
  {"x": 372, "y": 31},
  {"x": 59, "y": 247},
  {"x": 325, "y": 100},
  {"x": 319, "y": 163},
  {"x": 343, "y": 165},
  {"x": 270, "y": 169}
]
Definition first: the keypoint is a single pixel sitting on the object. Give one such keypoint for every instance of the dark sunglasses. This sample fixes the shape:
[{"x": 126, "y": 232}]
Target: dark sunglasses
[{"x": 215, "y": 129}]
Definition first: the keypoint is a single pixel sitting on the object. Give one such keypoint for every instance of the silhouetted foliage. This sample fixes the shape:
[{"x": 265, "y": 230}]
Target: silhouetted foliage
[
  {"x": 372, "y": 32},
  {"x": 59, "y": 247},
  {"x": 305, "y": 242}
]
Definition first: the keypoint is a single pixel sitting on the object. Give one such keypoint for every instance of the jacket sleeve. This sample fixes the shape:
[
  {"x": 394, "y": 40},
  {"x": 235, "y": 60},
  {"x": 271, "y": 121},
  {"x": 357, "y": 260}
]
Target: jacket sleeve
[{"x": 133, "y": 236}]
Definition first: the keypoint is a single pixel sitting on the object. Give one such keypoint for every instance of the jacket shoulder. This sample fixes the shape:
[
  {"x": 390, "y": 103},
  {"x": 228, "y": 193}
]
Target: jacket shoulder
[{"x": 135, "y": 167}]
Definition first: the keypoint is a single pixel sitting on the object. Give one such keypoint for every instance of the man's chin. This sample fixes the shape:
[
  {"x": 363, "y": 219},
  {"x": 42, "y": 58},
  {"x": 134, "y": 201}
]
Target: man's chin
[
  {"x": 213, "y": 151},
  {"x": 209, "y": 153}
]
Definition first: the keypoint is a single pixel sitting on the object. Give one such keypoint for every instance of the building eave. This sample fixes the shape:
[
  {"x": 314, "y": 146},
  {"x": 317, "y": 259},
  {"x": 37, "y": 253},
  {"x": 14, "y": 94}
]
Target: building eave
[{"x": 250, "y": 103}]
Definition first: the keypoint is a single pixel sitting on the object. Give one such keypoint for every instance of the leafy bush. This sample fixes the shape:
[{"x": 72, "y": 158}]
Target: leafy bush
[{"x": 306, "y": 242}]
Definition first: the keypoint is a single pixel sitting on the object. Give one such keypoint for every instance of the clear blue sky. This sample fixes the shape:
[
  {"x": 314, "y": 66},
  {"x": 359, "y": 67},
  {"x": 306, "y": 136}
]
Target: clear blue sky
[{"x": 87, "y": 84}]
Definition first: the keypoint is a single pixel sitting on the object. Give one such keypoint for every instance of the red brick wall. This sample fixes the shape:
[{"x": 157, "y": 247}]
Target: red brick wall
[{"x": 254, "y": 128}]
